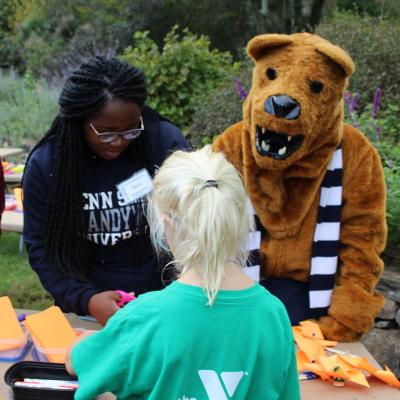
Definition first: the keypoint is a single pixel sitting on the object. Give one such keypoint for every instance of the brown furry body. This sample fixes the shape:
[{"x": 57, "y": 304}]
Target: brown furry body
[{"x": 285, "y": 192}]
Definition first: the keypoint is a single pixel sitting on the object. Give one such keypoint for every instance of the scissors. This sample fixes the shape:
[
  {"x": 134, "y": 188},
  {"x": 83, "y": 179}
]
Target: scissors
[{"x": 125, "y": 298}]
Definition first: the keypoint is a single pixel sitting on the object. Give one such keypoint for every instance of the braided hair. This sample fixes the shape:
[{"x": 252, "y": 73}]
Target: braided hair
[{"x": 85, "y": 92}]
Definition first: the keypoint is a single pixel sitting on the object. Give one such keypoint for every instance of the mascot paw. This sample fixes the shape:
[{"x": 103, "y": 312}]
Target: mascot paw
[{"x": 334, "y": 330}]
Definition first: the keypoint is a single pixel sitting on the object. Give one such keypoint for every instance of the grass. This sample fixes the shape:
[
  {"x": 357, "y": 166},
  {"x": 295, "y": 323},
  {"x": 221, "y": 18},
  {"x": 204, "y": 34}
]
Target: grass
[{"x": 18, "y": 281}]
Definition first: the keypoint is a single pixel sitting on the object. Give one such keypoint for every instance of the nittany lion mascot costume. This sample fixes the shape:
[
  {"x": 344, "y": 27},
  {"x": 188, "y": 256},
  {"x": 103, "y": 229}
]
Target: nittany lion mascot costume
[{"x": 316, "y": 184}]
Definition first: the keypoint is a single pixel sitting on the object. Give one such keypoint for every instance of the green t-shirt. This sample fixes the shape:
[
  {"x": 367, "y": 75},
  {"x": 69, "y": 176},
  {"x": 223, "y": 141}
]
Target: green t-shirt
[{"x": 169, "y": 345}]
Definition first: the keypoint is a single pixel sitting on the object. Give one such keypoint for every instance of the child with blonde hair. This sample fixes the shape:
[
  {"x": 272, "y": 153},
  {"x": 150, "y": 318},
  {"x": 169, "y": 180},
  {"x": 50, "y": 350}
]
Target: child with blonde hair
[{"x": 213, "y": 333}]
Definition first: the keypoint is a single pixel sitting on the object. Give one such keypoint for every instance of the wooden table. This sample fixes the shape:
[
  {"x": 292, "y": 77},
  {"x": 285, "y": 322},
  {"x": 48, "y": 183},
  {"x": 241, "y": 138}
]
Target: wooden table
[
  {"x": 314, "y": 389},
  {"x": 9, "y": 151},
  {"x": 12, "y": 221}
]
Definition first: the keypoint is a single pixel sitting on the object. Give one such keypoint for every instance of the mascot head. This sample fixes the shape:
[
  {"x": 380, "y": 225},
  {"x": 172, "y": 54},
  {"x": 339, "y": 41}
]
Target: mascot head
[{"x": 295, "y": 105}]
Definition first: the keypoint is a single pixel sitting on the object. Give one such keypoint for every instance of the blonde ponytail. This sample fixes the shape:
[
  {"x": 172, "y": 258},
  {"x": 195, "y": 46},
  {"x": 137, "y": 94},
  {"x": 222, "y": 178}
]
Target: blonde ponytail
[{"x": 203, "y": 195}]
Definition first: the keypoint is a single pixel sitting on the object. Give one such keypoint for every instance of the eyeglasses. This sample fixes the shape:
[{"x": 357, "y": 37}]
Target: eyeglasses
[{"x": 108, "y": 137}]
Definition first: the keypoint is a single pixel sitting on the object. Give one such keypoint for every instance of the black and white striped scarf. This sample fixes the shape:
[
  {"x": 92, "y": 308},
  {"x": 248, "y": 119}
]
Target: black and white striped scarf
[
  {"x": 252, "y": 267},
  {"x": 324, "y": 257},
  {"x": 325, "y": 248}
]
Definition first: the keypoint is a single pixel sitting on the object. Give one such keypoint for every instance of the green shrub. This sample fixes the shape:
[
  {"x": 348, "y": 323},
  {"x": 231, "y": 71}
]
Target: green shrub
[
  {"x": 383, "y": 132},
  {"x": 390, "y": 154},
  {"x": 182, "y": 74},
  {"x": 377, "y": 8},
  {"x": 373, "y": 44},
  {"x": 222, "y": 108},
  {"x": 392, "y": 174},
  {"x": 27, "y": 109},
  {"x": 387, "y": 125},
  {"x": 51, "y": 37}
]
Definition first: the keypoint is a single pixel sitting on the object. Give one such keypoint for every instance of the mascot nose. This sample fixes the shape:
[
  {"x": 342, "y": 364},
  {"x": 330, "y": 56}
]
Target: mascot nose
[{"x": 282, "y": 106}]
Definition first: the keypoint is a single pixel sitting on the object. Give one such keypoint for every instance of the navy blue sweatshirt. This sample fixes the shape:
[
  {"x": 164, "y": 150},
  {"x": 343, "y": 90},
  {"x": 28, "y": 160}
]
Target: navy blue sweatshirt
[{"x": 117, "y": 234}]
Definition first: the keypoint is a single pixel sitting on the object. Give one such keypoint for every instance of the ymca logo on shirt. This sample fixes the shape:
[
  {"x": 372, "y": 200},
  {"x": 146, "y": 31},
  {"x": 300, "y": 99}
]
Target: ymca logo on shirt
[{"x": 219, "y": 387}]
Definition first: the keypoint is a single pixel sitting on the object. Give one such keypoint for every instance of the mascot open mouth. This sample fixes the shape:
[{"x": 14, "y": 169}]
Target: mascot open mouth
[{"x": 277, "y": 145}]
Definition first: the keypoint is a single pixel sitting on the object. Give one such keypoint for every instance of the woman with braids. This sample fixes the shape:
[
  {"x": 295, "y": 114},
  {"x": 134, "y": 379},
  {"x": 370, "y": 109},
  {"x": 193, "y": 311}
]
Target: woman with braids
[{"x": 84, "y": 190}]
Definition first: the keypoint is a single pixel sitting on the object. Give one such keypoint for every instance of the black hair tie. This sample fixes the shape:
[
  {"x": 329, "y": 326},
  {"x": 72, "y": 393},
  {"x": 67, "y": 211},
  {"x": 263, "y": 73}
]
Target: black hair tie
[{"x": 210, "y": 183}]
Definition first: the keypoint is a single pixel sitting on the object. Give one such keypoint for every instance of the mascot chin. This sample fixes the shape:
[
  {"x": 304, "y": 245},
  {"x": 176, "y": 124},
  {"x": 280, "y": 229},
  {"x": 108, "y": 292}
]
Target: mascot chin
[{"x": 316, "y": 184}]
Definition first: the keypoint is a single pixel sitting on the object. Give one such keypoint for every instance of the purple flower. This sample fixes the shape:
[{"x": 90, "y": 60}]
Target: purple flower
[
  {"x": 354, "y": 102},
  {"x": 240, "y": 90},
  {"x": 347, "y": 98},
  {"x": 375, "y": 104},
  {"x": 377, "y": 132},
  {"x": 390, "y": 163}
]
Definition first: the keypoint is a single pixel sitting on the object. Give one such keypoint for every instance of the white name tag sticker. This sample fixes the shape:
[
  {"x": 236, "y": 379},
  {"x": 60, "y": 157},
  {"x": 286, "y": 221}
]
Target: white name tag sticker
[{"x": 135, "y": 187}]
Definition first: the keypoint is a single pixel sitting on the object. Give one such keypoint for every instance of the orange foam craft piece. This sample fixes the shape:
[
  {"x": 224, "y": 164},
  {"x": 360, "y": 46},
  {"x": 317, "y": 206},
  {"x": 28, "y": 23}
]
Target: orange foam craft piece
[
  {"x": 51, "y": 330},
  {"x": 10, "y": 329}
]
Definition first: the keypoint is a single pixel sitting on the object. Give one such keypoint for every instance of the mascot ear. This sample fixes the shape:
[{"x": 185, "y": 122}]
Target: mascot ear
[
  {"x": 337, "y": 55},
  {"x": 260, "y": 44}
]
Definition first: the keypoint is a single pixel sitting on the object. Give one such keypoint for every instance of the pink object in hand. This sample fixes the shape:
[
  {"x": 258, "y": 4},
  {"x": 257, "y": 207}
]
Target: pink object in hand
[{"x": 125, "y": 298}]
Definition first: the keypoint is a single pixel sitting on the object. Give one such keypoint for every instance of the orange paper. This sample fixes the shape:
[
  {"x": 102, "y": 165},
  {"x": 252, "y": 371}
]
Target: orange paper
[
  {"x": 10, "y": 329},
  {"x": 311, "y": 330},
  {"x": 356, "y": 376},
  {"x": 310, "y": 347},
  {"x": 388, "y": 377},
  {"x": 342, "y": 366},
  {"x": 316, "y": 369},
  {"x": 301, "y": 359},
  {"x": 327, "y": 343},
  {"x": 359, "y": 362},
  {"x": 335, "y": 367},
  {"x": 51, "y": 330}
]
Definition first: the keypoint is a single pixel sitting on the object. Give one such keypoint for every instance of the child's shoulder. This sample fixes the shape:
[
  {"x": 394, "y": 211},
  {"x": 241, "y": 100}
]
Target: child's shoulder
[
  {"x": 272, "y": 303},
  {"x": 271, "y": 299},
  {"x": 145, "y": 304}
]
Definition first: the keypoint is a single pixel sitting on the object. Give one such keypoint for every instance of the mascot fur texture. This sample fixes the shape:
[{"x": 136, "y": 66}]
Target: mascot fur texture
[{"x": 283, "y": 180}]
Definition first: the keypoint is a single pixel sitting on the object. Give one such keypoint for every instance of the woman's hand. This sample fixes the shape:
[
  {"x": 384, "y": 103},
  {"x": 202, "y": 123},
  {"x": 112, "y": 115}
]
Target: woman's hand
[
  {"x": 103, "y": 305},
  {"x": 68, "y": 362}
]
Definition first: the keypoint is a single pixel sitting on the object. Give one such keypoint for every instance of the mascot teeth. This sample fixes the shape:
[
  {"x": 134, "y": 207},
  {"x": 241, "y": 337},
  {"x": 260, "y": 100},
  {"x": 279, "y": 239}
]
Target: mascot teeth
[
  {"x": 265, "y": 146},
  {"x": 278, "y": 145}
]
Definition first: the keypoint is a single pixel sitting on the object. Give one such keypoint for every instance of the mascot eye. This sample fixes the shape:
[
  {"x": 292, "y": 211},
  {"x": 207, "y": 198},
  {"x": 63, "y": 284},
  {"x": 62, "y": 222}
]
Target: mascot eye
[
  {"x": 316, "y": 87},
  {"x": 271, "y": 73}
]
